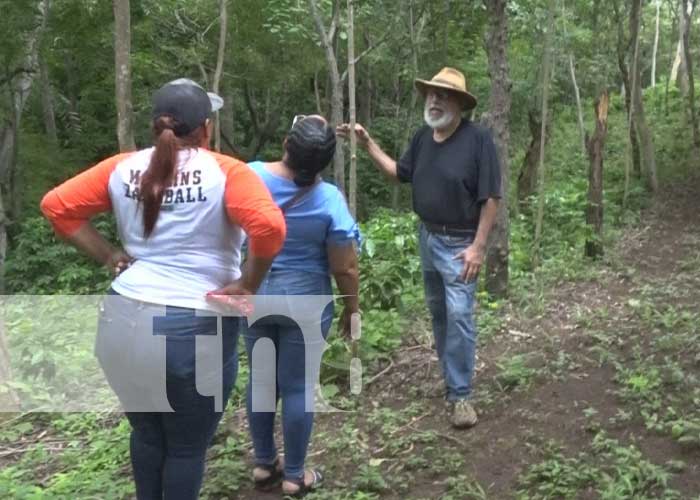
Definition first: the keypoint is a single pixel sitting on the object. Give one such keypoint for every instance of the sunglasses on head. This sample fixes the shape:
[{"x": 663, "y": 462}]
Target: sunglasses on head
[{"x": 297, "y": 118}]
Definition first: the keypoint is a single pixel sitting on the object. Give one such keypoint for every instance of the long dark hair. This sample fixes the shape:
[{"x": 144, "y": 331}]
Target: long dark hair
[
  {"x": 310, "y": 147},
  {"x": 161, "y": 169}
]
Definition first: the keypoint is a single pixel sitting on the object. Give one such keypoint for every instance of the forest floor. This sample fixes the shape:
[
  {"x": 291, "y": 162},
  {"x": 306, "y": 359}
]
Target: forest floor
[
  {"x": 588, "y": 391},
  {"x": 586, "y": 388}
]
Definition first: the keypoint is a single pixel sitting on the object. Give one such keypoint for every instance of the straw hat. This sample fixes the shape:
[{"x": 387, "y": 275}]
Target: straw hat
[{"x": 449, "y": 79}]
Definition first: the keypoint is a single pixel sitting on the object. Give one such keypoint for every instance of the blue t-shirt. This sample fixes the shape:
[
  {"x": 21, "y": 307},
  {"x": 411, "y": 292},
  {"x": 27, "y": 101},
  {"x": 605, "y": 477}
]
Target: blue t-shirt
[{"x": 319, "y": 218}]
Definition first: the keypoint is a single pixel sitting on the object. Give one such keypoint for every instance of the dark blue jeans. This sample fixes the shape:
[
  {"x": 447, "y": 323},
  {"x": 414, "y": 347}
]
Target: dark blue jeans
[
  {"x": 169, "y": 439},
  {"x": 290, "y": 372}
]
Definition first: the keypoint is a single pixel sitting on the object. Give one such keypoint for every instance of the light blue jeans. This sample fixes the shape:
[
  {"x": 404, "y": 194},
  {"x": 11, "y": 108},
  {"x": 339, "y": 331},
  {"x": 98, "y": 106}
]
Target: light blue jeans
[{"x": 451, "y": 304}]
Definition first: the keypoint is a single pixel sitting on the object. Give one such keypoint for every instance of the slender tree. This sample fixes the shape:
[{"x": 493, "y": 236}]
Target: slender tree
[
  {"x": 499, "y": 118},
  {"x": 216, "y": 83},
  {"x": 679, "y": 69},
  {"x": 577, "y": 93},
  {"x": 630, "y": 123},
  {"x": 689, "y": 68},
  {"x": 656, "y": 44},
  {"x": 527, "y": 177},
  {"x": 327, "y": 36},
  {"x": 545, "y": 104},
  {"x": 122, "y": 74},
  {"x": 623, "y": 48},
  {"x": 579, "y": 108},
  {"x": 415, "y": 32},
  {"x": 596, "y": 145},
  {"x": 352, "y": 181},
  {"x": 47, "y": 101},
  {"x": 645, "y": 136}
]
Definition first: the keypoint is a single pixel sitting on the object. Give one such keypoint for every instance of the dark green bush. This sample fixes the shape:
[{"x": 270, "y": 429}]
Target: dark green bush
[{"x": 39, "y": 263}]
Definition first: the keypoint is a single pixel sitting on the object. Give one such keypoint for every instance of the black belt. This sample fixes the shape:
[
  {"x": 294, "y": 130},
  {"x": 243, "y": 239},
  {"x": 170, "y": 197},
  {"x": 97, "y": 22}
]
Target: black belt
[{"x": 449, "y": 229}]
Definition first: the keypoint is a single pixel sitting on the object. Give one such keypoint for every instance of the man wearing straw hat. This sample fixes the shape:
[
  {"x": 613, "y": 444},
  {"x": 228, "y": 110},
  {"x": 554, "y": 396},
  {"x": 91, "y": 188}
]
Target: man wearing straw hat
[{"x": 455, "y": 177}]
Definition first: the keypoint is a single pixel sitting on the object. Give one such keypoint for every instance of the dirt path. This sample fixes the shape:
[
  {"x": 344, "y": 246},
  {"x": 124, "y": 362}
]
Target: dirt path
[{"x": 592, "y": 391}]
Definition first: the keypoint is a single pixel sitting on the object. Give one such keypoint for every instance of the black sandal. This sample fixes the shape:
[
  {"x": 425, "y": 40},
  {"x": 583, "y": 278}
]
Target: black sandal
[
  {"x": 303, "y": 487},
  {"x": 271, "y": 481}
]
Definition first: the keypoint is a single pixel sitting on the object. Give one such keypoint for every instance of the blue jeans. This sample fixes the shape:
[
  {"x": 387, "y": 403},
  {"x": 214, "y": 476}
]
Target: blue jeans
[
  {"x": 451, "y": 304},
  {"x": 289, "y": 375},
  {"x": 167, "y": 448}
]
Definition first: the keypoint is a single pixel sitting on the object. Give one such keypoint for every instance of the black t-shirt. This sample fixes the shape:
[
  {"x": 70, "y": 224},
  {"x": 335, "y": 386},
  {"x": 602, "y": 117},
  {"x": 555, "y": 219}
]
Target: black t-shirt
[{"x": 451, "y": 179}]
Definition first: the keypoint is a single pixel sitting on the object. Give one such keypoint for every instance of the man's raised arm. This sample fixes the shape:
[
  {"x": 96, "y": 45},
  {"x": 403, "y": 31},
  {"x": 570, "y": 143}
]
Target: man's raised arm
[{"x": 383, "y": 161}]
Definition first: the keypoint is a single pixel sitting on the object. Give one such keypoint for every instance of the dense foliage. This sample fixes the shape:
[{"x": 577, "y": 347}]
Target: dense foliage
[{"x": 274, "y": 68}]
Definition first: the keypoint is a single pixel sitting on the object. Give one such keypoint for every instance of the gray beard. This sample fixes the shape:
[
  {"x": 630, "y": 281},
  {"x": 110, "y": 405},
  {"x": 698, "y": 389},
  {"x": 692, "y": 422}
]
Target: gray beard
[{"x": 439, "y": 123}]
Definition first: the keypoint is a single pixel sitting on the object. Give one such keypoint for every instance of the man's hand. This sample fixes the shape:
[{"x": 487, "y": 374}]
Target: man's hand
[
  {"x": 385, "y": 163},
  {"x": 363, "y": 138},
  {"x": 472, "y": 258},
  {"x": 118, "y": 262}
]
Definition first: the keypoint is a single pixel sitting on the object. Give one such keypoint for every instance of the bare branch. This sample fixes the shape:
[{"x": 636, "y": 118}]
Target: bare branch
[
  {"x": 364, "y": 53},
  {"x": 335, "y": 20},
  {"x": 325, "y": 40}
]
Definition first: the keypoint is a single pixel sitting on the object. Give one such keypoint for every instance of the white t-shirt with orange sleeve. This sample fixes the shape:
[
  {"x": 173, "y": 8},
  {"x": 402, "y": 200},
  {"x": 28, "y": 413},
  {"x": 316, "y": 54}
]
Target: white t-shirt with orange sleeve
[{"x": 195, "y": 245}]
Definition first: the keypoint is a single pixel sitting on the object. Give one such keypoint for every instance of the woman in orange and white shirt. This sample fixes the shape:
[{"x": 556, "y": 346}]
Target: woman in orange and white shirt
[{"x": 180, "y": 211}]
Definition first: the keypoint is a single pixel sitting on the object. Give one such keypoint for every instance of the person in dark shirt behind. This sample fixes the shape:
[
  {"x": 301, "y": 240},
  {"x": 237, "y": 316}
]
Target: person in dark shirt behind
[{"x": 455, "y": 177}]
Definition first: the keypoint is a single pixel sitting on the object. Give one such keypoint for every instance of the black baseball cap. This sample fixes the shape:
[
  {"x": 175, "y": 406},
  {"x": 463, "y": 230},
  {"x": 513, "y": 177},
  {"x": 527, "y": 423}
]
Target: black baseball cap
[{"x": 187, "y": 103}]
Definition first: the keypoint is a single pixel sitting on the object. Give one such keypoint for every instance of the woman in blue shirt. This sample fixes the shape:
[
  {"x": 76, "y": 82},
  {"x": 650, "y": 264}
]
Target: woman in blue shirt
[{"x": 321, "y": 241}]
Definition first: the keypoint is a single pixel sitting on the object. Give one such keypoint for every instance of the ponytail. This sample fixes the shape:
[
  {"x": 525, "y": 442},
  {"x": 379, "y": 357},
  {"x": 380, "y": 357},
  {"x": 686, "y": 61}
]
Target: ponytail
[{"x": 161, "y": 169}]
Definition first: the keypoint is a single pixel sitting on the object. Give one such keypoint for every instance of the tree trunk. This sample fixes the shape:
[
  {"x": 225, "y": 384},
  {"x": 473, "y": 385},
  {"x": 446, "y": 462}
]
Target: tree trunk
[
  {"x": 317, "y": 95},
  {"x": 679, "y": 70},
  {"x": 336, "y": 87},
  {"x": 596, "y": 144},
  {"x": 122, "y": 73},
  {"x": 545, "y": 103},
  {"x": 404, "y": 135},
  {"x": 579, "y": 109},
  {"x": 19, "y": 87},
  {"x": 47, "y": 106},
  {"x": 499, "y": 117},
  {"x": 630, "y": 119},
  {"x": 223, "y": 22},
  {"x": 645, "y": 135},
  {"x": 72, "y": 88},
  {"x": 364, "y": 98},
  {"x": 691, "y": 79},
  {"x": 622, "y": 51},
  {"x": 673, "y": 52},
  {"x": 352, "y": 191},
  {"x": 527, "y": 179},
  {"x": 656, "y": 44},
  {"x": 415, "y": 32},
  {"x": 227, "y": 115},
  {"x": 261, "y": 131}
]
